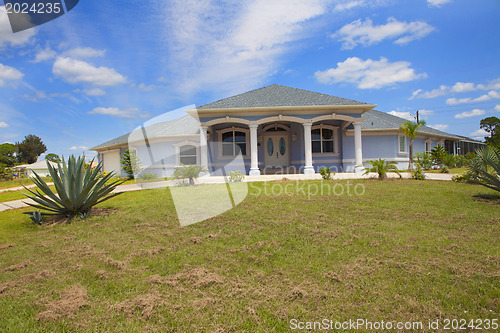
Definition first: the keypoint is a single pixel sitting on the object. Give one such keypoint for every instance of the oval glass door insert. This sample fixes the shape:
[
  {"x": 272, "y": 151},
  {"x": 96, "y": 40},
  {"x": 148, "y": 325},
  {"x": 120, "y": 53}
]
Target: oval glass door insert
[
  {"x": 282, "y": 146},
  {"x": 270, "y": 146}
]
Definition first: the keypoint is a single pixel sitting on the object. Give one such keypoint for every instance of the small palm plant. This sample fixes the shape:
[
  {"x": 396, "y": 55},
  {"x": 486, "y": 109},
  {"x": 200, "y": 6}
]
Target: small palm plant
[
  {"x": 381, "y": 167},
  {"x": 190, "y": 172},
  {"x": 486, "y": 167},
  {"x": 78, "y": 189}
]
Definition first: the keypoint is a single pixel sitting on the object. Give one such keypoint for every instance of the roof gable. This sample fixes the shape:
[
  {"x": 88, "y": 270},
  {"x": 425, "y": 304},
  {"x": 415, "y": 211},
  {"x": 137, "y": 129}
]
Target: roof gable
[{"x": 277, "y": 95}]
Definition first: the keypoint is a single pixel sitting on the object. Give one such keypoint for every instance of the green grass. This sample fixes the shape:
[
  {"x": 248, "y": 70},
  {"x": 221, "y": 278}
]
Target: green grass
[
  {"x": 452, "y": 170},
  {"x": 16, "y": 195},
  {"x": 404, "y": 251},
  {"x": 19, "y": 182}
]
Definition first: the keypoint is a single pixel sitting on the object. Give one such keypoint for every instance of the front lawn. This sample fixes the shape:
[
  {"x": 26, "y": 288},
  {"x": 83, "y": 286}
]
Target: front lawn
[
  {"x": 452, "y": 170},
  {"x": 404, "y": 251}
]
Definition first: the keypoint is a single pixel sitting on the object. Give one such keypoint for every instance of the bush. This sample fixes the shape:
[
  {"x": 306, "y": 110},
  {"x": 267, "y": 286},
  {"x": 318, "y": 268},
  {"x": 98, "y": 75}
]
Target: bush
[
  {"x": 77, "y": 189},
  {"x": 445, "y": 169},
  {"x": 381, "y": 167},
  {"x": 425, "y": 160},
  {"x": 417, "y": 173},
  {"x": 148, "y": 177},
  {"x": 190, "y": 172},
  {"x": 326, "y": 173},
  {"x": 236, "y": 177},
  {"x": 486, "y": 167}
]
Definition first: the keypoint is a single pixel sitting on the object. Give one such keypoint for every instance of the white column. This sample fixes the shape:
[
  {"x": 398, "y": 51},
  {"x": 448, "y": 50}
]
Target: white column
[
  {"x": 358, "y": 148},
  {"x": 308, "y": 167},
  {"x": 254, "y": 156},
  {"x": 203, "y": 147}
]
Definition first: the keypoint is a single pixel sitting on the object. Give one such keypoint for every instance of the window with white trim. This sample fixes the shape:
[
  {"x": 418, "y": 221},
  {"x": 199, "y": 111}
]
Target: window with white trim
[
  {"x": 323, "y": 139},
  {"x": 402, "y": 144},
  {"x": 427, "y": 145},
  {"x": 187, "y": 155},
  {"x": 233, "y": 142}
]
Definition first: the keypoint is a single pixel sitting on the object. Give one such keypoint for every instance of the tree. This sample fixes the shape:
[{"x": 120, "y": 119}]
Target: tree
[
  {"x": 29, "y": 149},
  {"x": 53, "y": 158},
  {"x": 409, "y": 128},
  {"x": 131, "y": 164},
  {"x": 7, "y": 154},
  {"x": 492, "y": 126}
]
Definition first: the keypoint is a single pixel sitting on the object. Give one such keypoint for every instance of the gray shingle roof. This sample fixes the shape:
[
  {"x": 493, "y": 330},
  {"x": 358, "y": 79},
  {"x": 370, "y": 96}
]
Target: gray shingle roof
[
  {"x": 278, "y": 95},
  {"x": 186, "y": 125},
  {"x": 380, "y": 120}
]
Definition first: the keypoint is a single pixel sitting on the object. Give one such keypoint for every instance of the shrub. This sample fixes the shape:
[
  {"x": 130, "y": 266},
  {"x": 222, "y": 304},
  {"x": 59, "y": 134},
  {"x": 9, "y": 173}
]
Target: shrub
[
  {"x": 445, "y": 169},
  {"x": 131, "y": 164},
  {"x": 326, "y": 173},
  {"x": 438, "y": 154},
  {"x": 417, "y": 173},
  {"x": 486, "y": 166},
  {"x": 190, "y": 172},
  {"x": 236, "y": 176},
  {"x": 381, "y": 167},
  {"x": 148, "y": 177},
  {"x": 425, "y": 160},
  {"x": 77, "y": 189}
]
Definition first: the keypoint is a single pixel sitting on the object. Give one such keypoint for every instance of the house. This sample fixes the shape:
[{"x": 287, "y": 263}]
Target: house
[
  {"x": 273, "y": 129},
  {"x": 29, "y": 169}
]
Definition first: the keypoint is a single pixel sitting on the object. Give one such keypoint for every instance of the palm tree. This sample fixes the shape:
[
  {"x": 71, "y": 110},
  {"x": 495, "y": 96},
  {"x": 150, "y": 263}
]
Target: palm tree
[
  {"x": 409, "y": 128},
  {"x": 486, "y": 167},
  {"x": 381, "y": 167}
]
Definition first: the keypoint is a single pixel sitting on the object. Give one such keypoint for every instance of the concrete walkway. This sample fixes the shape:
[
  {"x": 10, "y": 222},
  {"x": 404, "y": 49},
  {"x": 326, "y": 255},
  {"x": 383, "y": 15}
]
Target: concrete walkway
[
  {"x": 20, "y": 188},
  {"x": 220, "y": 179}
]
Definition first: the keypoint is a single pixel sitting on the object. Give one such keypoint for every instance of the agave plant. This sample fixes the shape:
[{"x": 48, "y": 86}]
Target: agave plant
[
  {"x": 486, "y": 167},
  {"x": 381, "y": 167},
  {"x": 78, "y": 188}
]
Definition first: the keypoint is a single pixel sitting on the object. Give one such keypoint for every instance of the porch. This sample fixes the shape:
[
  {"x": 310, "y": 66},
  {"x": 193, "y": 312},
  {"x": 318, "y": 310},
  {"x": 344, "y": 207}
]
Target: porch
[{"x": 280, "y": 144}]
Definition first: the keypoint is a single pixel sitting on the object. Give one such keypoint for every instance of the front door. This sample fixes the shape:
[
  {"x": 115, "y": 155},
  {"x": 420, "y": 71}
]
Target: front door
[{"x": 276, "y": 150}]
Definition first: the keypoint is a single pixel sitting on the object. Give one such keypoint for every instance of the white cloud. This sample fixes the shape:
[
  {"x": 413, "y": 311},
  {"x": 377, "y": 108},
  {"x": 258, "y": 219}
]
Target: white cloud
[
  {"x": 79, "y": 148},
  {"x": 490, "y": 95},
  {"x": 78, "y": 71},
  {"x": 6, "y": 34},
  {"x": 473, "y": 113},
  {"x": 8, "y": 73},
  {"x": 343, "y": 5},
  {"x": 480, "y": 134},
  {"x": 45, "y": 54},
  {"x": 365, "y": 33},
  {"x": 461, "y": 87},
  {"x": 234, "y": 46},
  {"x": 144, "y": 87},
  {"x": 94, "y": 92},
  {"x": 425, "y": 112},
  {"x": 402, "y": 114},
  {"x": 439, "y": 127},
  {"x": 369, "y": 74},
  {"x": 497, "y": 107},
  {"x": 123, "y": 113},
  {"x": 84, "y": 52},
  {"x": 437, "y": 3},
  {"x": 3, "y": 124},
  {"x": 458, "y": 87}
]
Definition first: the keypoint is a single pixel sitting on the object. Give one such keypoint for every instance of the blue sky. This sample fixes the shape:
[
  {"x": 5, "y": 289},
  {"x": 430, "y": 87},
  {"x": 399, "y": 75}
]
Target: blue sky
[{"x": 107, "y": 66}]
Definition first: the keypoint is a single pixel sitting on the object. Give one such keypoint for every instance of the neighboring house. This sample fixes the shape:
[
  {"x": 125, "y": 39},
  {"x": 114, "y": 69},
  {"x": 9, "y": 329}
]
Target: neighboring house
[
  {"x": 275, "y": 128},
  {"x": 39, "y": 167}
]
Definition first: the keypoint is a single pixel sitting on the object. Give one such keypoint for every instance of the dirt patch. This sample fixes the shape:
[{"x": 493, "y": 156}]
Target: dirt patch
[
  {"x": 332, "y": 276},
  {"x": 196, "y": 240},
  {"x": 296, "y": 293},
  {"x": 16, "y": 266},
  {"x": 70, "y": 302},
  {"x": 114, "y": 263},
  {"x": 145, "y": 305},
  {"x": 198, "y": 277},
  {"x": 5, "y": 246}
]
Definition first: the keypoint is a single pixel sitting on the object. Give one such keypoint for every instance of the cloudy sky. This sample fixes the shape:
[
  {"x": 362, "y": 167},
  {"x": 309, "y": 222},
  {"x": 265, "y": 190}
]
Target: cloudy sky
[{"x": 107, "y": 66}]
